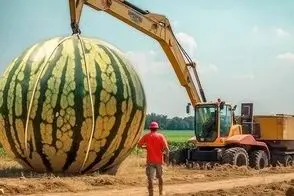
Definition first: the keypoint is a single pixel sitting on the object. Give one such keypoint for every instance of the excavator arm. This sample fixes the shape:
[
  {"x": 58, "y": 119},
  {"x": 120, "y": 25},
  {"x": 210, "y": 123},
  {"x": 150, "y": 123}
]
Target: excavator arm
[{"x": 154, "y": 25}]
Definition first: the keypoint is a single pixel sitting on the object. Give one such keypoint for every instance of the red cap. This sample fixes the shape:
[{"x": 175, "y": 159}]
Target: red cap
[{"x": 153, "y": 125}]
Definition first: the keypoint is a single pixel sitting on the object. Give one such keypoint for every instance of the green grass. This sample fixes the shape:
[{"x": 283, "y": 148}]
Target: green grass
[{"x": 176, "y": 135}]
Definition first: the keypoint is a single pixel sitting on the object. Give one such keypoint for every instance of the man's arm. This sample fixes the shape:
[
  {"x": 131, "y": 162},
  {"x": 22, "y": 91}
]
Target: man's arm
[{"x": 142, "y": 143}]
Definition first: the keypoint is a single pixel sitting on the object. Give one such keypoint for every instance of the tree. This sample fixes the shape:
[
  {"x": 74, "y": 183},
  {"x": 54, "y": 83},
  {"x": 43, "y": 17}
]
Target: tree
[{"x": 176, "y": 123}]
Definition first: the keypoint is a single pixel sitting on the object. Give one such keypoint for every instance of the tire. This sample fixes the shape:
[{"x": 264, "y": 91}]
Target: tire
[
  {"x": 282, "y": 160},
  {"x": 287, "y": 160},
  {"x": 258, "y": 159},
  {"x": 235, "y": 156}
]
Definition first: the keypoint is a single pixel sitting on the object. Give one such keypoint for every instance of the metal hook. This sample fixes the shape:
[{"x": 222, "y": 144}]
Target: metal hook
[{"x": 75, "y": 28}]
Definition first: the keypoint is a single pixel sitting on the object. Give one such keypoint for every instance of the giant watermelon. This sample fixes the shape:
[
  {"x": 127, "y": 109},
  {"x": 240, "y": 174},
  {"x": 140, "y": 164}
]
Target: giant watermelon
[{"x": 71, "y": 104}]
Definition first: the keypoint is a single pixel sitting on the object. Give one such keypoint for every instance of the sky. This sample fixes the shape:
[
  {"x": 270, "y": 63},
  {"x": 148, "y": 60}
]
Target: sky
[{"x": 244, "y": 49}]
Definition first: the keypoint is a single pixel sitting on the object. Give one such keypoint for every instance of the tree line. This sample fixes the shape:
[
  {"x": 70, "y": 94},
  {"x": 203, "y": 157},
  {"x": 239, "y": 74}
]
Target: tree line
[{"x": 175, "y": 123}]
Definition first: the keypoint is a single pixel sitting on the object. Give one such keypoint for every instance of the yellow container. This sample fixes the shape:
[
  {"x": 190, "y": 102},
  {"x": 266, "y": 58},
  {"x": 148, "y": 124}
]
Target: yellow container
[{"x": 276, "y": 127}]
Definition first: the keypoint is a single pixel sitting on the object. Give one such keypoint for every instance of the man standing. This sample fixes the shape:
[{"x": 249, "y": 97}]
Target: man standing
[{"x": 155, "y": 143}]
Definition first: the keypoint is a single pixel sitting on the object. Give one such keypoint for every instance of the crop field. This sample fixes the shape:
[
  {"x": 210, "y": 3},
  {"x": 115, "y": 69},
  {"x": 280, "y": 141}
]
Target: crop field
[{"x": 176, "y": 135}]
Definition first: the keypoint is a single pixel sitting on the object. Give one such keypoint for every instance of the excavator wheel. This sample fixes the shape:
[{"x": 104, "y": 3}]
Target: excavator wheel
[
  {"x": 283, "y": 160},
  {"x": 258, "y": 159},
  {"x": 287, "y": 160},
  {"x": 235, "y": 156}
]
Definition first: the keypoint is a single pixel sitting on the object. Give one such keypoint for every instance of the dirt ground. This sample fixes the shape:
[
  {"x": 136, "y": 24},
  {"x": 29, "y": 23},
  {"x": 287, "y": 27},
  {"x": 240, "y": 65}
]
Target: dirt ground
[
  {"x": 221, "y": 180},
  {"x": 272, "y": 189}
]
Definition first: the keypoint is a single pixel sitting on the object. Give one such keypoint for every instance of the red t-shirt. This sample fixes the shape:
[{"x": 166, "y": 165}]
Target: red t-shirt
[{"x": 155, "y": 144}]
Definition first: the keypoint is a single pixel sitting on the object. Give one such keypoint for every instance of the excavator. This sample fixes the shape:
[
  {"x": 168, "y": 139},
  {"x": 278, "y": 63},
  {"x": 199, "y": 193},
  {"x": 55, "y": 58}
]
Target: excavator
[{"x": 255, "y": 141}]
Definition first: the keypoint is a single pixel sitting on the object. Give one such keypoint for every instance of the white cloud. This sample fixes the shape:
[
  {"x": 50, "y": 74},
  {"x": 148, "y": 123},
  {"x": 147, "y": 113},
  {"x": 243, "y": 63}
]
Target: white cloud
[
  {"x": 147, "y": 62},
  {"x": 282, "y": 33},
  {"x": 188, "y": 43},
  {"x": 286, "y": 56}
]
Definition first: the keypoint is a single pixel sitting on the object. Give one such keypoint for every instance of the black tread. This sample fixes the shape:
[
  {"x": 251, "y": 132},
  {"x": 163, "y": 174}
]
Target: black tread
[
  {"x": 256, "y": 157},
  {"x": 288, "y": 160},
  {"x": 230, "y": 156},
  {"x": 282, "y": 160}
]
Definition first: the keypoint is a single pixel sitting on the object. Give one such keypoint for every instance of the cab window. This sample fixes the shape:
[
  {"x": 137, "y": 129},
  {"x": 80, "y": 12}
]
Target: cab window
[{"x": 225, "y": 120}]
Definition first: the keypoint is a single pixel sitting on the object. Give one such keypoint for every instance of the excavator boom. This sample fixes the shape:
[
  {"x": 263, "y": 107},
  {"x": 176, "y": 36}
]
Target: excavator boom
[{"x": 154, "y": 25}]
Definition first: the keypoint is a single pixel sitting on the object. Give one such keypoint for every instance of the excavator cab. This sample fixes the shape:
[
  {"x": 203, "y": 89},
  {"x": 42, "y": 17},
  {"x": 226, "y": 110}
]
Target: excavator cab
[
  {"x": 206, "y": 120},
  {"x": 212, "y": 121}
]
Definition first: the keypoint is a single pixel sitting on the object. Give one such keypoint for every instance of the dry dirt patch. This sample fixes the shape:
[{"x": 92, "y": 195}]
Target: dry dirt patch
[
  {"x": 15, "y": 180},
  {"x": 285, "y": 188}
]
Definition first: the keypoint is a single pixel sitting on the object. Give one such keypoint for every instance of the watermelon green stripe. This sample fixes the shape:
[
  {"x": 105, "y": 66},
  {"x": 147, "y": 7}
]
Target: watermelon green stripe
[
  {"x": 38, "y": 118},
  {"x": 78, "y": 107},
  {"x": 142, "y": 121},
  {"x": 12, "y": 108},
  {"x": 118, "y": 114},
  {"x": 58, "y": 107},
  {"x": 25, "y": 87},
  {"x": 5, "y": 112},
  {"x": 133, "y": 90},
  {"x": 116, "y": 158},
  {"x": 125, "y": 133},
  {"x": 91, "y": 102},
  {"x": 14, "y": 80},
  {"x": 99, "y": 88},
  {"x": 44, "y": 74},
  {"x": 36, "y": 125},
  {"x": 13, "y": 112}
]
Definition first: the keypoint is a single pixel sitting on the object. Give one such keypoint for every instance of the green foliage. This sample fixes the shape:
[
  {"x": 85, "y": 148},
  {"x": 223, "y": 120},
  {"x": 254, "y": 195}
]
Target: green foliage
[
  {"x": 174, "y": 145},
  {"x": 175, "y": 123},
  {"x": 2, "y": 152},
  {"x": 137, "y": 151}
]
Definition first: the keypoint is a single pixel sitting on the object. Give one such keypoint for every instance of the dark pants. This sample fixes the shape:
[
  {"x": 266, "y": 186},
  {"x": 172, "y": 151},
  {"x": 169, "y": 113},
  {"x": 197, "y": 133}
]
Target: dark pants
[{"x": 153, "y": 170}]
